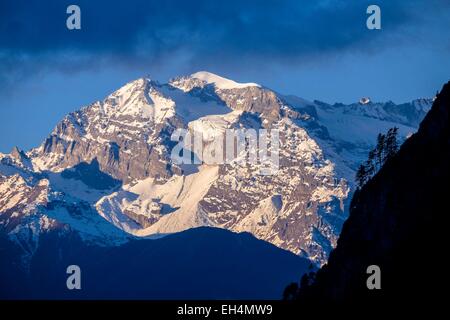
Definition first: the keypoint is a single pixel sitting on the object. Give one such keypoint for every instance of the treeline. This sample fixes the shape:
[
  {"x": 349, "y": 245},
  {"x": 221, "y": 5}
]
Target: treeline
[{"x": 387, "y": 146}]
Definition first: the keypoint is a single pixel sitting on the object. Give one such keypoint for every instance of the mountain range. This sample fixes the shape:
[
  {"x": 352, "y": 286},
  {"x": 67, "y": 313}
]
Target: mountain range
[{"x": 105, "y": 175}]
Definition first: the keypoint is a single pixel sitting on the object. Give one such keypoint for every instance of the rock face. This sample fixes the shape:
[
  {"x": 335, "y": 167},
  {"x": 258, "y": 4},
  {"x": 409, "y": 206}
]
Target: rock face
[
  {"x": 395, "y": 223},
  {"x": 109, "y": 164},
  {"x": 123, "y": 133}
]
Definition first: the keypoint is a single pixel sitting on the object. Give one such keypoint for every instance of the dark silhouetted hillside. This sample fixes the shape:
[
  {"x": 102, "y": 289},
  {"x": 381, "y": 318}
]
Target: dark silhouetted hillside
[
  {"x": 397, "y": 221},
  {"x": 202, "y": 263}
]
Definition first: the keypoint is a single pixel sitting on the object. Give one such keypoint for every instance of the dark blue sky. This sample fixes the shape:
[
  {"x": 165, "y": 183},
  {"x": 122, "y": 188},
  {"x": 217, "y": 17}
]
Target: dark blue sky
[{"x": 314, "y": 49}]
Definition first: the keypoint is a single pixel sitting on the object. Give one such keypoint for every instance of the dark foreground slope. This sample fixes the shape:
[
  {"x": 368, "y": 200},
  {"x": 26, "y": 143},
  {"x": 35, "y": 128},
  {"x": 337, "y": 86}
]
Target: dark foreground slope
[
  {"x": 397, "y": 222},
  {"x": 203, "y": 263}
]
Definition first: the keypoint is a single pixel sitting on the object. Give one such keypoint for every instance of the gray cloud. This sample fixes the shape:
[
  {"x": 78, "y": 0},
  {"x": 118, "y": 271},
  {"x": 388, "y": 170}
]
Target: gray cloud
[{"x": 34, "y": 37}]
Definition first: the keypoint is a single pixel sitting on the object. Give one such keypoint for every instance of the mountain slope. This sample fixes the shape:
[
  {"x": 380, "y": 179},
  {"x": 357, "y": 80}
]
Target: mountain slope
[
  {"x": 106, "y": 170},
  {"x": 396, "y": 222},
  {"x": 201, "y": 263}
]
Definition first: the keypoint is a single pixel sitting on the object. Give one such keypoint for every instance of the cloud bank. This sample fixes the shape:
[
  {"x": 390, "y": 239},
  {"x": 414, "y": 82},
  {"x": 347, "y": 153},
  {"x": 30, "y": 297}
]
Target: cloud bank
[{"x": 34, "y": 37}]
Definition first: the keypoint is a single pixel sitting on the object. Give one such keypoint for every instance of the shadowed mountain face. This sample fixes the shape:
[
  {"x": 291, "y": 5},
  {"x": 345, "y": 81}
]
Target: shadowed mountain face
[
  {"x": 396, "y": 223},
  {"x": 202, "y": 263},
  {"x": 91, "y": 175}
]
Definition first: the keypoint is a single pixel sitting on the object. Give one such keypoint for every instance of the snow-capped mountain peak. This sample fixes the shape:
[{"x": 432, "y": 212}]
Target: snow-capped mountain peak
[
  {"x": 220, "y": 82},
  {"x": 364, "y": 100},
  {"x": 111, "y": 161}
]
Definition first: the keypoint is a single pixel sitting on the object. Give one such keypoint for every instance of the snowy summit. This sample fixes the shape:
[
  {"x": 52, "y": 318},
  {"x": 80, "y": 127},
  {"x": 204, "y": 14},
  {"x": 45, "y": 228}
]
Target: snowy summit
[
  {"x": 364, "y": 100},
  {"x": 220, "y": 82}
]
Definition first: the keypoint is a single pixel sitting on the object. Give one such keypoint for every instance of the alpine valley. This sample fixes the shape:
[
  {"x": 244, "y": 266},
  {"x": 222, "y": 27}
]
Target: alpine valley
[{"x": 102, "y": 192}]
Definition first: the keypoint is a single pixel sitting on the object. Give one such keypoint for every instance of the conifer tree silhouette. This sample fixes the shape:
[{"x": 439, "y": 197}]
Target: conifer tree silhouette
[{"x": 386, "y": 147}]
